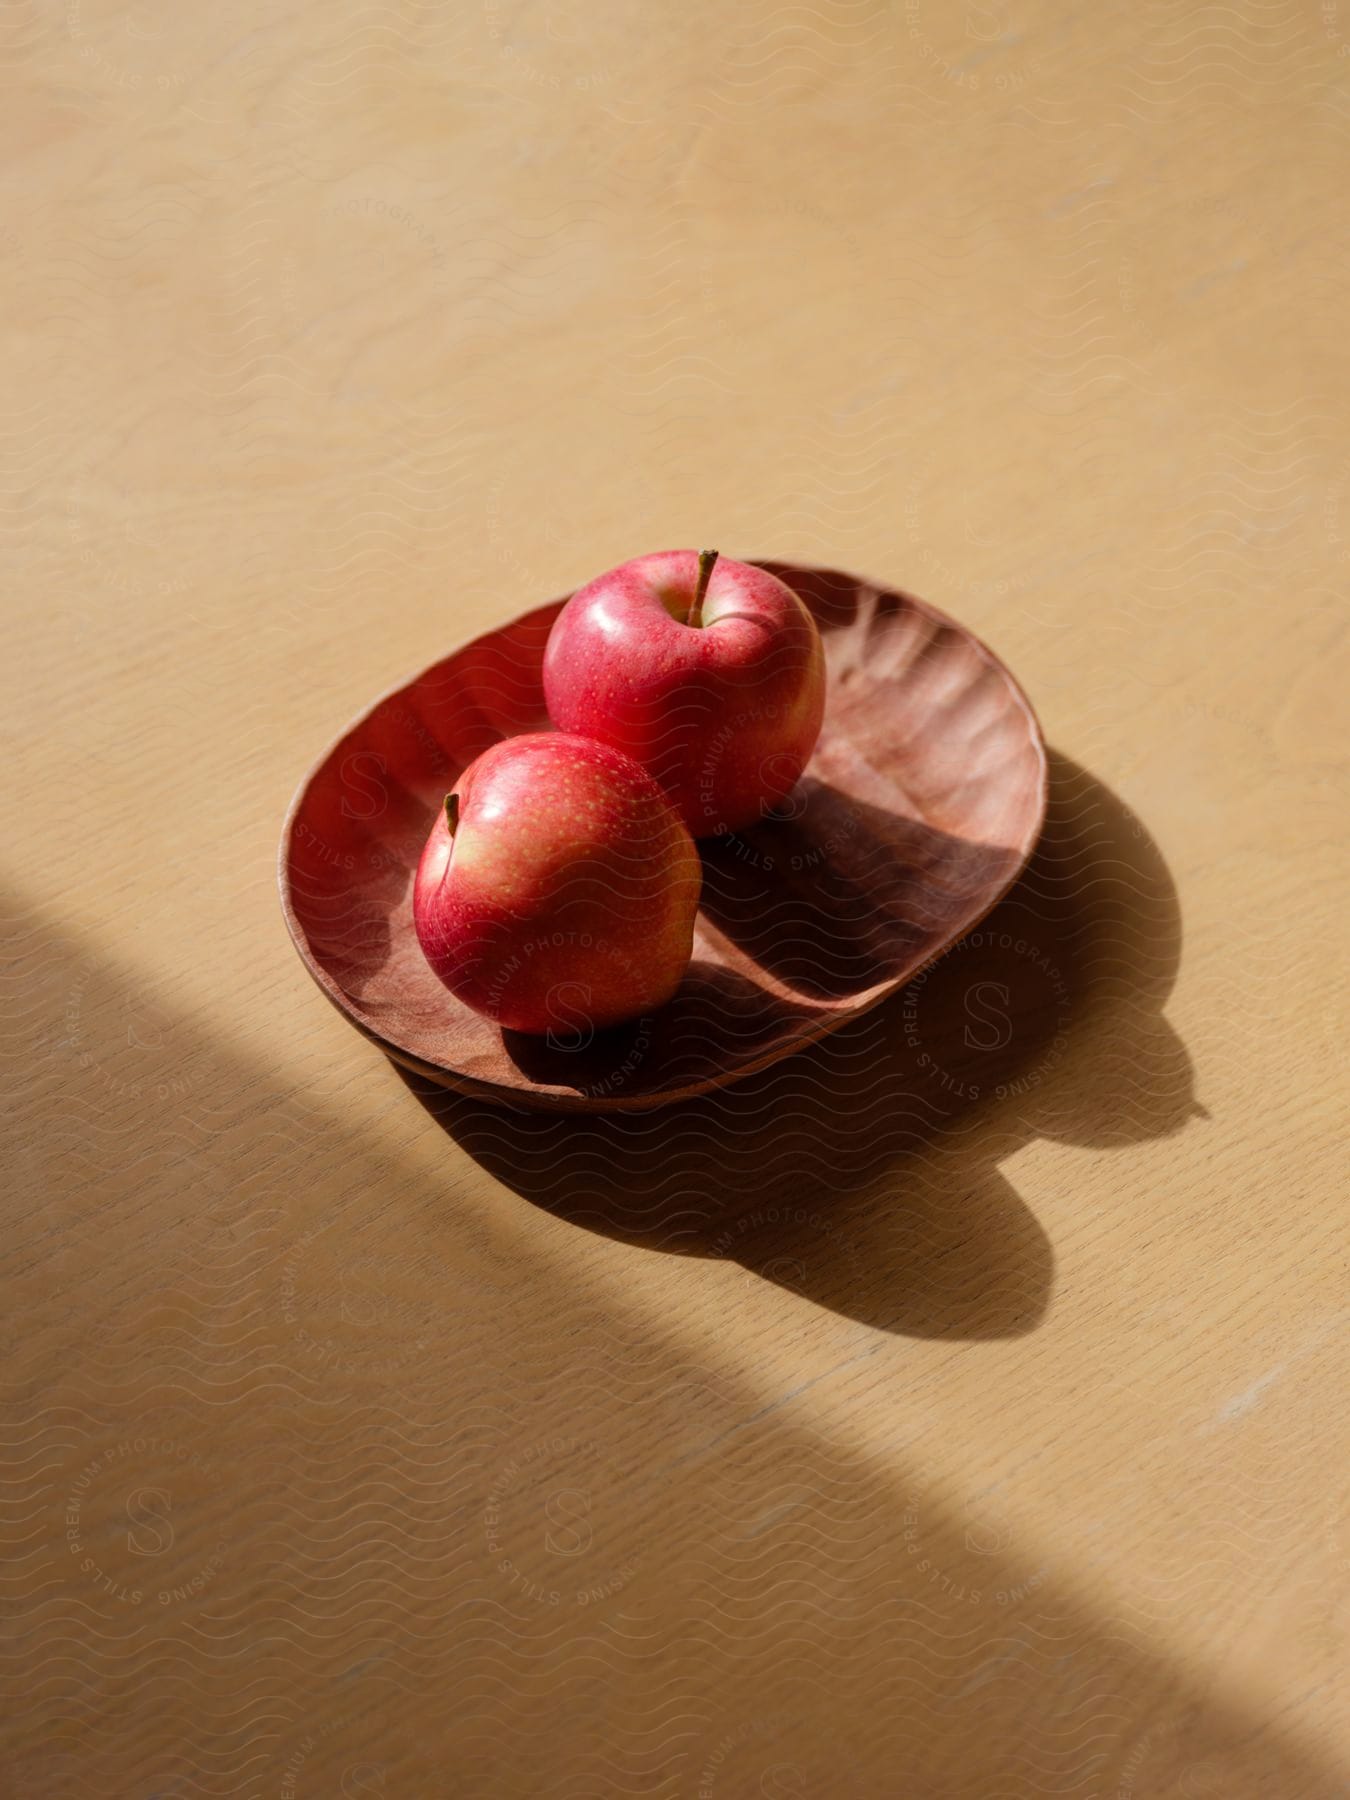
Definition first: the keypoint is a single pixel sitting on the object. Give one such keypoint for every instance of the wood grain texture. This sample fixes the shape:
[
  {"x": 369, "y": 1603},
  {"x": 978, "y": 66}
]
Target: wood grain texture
[
  {"x": 955, "y": 1409},
  {"x": 920, "y": 806}
]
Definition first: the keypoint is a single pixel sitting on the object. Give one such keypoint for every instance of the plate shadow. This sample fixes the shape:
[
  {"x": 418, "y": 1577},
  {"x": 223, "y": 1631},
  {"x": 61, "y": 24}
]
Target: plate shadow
[{"x": 863, "y": 1172}]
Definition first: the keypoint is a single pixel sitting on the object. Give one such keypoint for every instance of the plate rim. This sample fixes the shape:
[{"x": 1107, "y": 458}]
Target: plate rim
[{"x": 537, "y": 1098}]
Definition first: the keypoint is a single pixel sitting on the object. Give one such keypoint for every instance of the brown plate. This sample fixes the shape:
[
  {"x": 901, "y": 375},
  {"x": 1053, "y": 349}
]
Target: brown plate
[{"x": 920, "y": 806}]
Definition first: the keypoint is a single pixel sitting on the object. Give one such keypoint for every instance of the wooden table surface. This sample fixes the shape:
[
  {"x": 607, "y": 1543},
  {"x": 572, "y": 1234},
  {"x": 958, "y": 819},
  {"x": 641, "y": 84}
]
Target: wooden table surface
[{"x": 957, "y": 1409}]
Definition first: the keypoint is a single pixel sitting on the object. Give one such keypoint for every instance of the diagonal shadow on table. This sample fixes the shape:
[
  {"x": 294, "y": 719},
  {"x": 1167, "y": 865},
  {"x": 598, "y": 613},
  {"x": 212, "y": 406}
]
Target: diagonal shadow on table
[
  {"x": 864, "y": 1171},
  {"x": 790, "y": 1528}
]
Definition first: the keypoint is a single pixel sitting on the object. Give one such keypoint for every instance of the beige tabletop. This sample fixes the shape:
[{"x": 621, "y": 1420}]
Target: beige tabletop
[{"x": 957, "y": 1409}]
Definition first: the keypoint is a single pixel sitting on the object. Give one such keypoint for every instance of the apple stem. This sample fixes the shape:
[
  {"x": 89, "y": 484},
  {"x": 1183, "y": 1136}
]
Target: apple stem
[
  {"x": 706, "y": 559},
  {"x": 452, "y": 812}
]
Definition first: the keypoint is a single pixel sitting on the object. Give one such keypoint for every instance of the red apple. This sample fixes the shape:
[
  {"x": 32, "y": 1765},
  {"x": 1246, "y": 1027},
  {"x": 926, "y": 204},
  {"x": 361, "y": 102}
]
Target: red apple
[
  {"x": 708, "y": 672},
  {"x": 557, "y": 890}
]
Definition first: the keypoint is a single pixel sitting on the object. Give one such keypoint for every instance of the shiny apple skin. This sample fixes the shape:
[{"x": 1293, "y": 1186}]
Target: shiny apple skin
[
  {"x": 724, "y": 714},
  {"x": 565, "y": 900}
]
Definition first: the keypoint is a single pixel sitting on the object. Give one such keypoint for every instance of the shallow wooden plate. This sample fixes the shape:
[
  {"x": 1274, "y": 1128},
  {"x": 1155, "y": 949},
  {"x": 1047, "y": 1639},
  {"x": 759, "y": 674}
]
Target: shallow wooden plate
[{"x": 920, "y": 806}]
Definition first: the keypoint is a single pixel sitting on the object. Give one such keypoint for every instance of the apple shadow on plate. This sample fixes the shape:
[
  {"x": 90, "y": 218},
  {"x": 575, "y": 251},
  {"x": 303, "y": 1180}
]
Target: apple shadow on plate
[{"x": 863, "y": 1172}]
